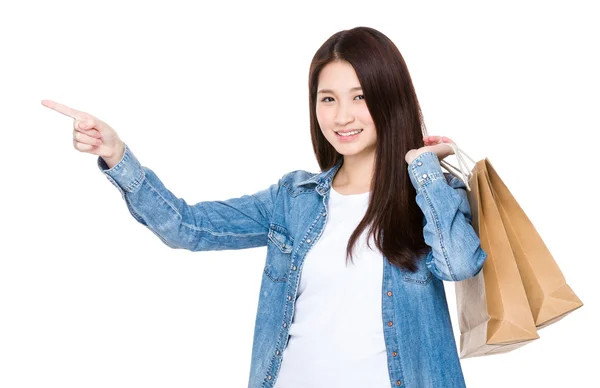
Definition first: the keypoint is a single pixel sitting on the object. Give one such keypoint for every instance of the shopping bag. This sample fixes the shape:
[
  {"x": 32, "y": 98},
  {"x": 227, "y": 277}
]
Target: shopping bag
[
  {"x": 493, "y": 310},
  {"x": 550, "y": 297}
]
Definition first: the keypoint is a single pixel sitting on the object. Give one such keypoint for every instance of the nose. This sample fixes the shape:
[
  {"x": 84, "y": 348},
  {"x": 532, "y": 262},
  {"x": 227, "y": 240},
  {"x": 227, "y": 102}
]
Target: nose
[{"x": 343, "y": 115}]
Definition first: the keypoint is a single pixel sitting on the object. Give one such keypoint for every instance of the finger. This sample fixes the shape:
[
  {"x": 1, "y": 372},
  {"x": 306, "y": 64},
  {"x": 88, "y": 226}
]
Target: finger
[
  {"x": 434, "y": 139},
  {"x": 441, "y": 139},
  {"x": 65, "y": 110},
  {"x": 90, "y": 132},
  {"x": 87, "y": 126},
  {"x": 84, "y": 147},
  {"x": 94, "y": 123},
  {"x": 85, "y": 139}
]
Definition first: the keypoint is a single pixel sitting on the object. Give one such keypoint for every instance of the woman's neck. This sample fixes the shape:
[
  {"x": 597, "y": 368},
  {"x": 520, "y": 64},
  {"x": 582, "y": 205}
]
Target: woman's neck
[{"x": 355, "y": 175}]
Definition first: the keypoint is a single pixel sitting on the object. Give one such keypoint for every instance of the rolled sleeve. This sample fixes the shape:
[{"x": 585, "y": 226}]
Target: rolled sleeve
[
  {"x": 424, "y": 169},
  {"x": 125, "y": 175}
]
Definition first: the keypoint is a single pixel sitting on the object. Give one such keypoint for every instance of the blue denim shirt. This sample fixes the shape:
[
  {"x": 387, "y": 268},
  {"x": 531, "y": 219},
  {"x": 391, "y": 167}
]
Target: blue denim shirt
[{"x": 288, "y": 218}]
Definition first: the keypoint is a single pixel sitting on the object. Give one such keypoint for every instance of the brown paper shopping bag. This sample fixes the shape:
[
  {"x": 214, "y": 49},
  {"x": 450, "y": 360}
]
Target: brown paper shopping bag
[
  {"x": 550, "y": 297},
  {"x": 493, "y": 311}
]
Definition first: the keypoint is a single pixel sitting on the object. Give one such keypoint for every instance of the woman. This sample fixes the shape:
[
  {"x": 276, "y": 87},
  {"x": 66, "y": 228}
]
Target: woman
[{"x": 381, "y": 320}]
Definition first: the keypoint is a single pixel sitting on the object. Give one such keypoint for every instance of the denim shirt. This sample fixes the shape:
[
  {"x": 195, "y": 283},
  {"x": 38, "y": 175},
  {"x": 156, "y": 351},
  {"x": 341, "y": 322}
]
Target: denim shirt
[{"x": 288, "y": 218}]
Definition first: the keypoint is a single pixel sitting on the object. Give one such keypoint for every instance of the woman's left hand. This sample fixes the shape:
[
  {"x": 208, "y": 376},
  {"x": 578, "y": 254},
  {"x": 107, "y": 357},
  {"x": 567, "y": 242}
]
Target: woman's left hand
[{"x": 432, "y": 144}]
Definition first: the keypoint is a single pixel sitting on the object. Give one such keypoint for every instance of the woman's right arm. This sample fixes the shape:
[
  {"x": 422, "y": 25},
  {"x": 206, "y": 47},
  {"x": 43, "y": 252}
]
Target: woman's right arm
[{"x": 235, "y": 223}]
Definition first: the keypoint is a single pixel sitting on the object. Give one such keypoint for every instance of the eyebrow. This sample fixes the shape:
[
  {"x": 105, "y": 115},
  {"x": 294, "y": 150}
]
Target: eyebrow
[{"x": 331, "y": 91}]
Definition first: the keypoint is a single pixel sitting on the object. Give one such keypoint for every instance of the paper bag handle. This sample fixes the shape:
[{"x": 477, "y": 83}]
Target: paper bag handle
[{"x": 464, "y": 170}]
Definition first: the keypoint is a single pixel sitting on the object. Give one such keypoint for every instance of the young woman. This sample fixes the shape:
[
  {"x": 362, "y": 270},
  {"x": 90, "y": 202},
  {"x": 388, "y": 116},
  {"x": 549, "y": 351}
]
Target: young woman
[{"x": 352, "y": 292}]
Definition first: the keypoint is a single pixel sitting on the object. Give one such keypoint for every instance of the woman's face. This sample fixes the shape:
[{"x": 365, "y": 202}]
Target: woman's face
[{"x": 341, "y": 106}]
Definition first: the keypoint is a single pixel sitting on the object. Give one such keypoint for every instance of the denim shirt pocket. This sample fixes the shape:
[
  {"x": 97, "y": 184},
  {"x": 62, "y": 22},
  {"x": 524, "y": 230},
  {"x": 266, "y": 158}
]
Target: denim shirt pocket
[
  {"x": 279, "y": 253},
  {"x": 422, "y": 275}
]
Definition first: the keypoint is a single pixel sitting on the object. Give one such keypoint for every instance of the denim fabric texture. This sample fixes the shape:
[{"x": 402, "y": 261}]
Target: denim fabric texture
[{"x": 288, "y": 218}]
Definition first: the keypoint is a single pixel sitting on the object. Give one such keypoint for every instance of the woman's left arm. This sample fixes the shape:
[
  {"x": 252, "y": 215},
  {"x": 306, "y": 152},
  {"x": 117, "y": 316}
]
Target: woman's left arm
[{"x": 456, "y": 251}]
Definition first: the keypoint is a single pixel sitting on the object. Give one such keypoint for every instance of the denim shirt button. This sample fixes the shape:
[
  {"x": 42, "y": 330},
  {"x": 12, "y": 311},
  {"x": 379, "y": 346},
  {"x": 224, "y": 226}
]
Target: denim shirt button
[
  {"x": 284, "y": 324},
  {"x": 277, "y": 352},
  {"x": 398, "y": 382},
  {"x": 419, "y": 163},
  {"x": 294, "y": 268},
  {"x": 269, "y": 377},
  {"x": 389, "y": 293},
  {"x": 424, "y": 176},
  {"x": 394, "y": 354},
  {"x": 308, "y": 240},
  {"x": 289, "y": 297},
  {"x": 390, "y": 323}
]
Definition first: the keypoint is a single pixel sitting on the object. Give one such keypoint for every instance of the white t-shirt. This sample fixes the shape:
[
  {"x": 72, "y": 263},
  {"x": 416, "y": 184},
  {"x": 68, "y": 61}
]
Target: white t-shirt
[{"x": 337, "y": 329}]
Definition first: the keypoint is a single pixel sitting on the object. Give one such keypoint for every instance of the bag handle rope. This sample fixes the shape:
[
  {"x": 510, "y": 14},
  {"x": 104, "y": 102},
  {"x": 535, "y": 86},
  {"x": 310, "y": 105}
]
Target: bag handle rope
[{"x": 464, "y": 171}]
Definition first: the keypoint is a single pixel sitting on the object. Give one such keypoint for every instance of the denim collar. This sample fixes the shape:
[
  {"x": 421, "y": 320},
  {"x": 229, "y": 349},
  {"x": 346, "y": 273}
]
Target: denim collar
[{"x": 323, "y": 179}]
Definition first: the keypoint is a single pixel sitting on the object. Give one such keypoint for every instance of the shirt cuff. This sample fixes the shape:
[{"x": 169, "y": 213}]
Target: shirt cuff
[
  {"x": 125, "y": 175},
  {"x": 424, "y": 169}
]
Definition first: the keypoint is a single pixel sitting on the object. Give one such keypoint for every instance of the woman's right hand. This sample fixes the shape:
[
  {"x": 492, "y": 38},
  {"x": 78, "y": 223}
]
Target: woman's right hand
[{"x": 91, "y": 134}]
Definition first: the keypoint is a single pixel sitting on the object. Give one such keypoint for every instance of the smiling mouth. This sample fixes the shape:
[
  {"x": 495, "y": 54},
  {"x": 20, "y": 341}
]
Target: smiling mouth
[{"x": 348, "y": 133}]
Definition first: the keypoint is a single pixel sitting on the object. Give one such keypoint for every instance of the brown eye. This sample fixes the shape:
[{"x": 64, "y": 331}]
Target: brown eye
[{"x": 325, "y": 99}]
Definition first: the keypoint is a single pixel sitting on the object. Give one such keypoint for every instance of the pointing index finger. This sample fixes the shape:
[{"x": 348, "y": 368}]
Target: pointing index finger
[{"x": 65, "y": 110}]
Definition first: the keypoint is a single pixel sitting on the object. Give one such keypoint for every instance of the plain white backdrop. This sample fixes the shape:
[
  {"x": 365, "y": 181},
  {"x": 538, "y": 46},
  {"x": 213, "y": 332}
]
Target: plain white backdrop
[{"x": 213, "y": 98}]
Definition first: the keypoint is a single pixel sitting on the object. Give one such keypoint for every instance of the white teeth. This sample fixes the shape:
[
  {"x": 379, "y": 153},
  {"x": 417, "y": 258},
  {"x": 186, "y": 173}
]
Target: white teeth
[{"x": 349, "y": 133}]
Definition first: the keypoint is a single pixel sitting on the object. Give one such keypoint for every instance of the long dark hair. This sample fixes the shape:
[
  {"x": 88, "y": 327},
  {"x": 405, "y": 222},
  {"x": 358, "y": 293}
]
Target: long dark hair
[{"x": 395, "y": 219}]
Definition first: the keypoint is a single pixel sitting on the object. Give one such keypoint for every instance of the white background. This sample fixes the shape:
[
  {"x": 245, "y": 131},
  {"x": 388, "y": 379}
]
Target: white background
[{"x": 214, "y": 99}]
